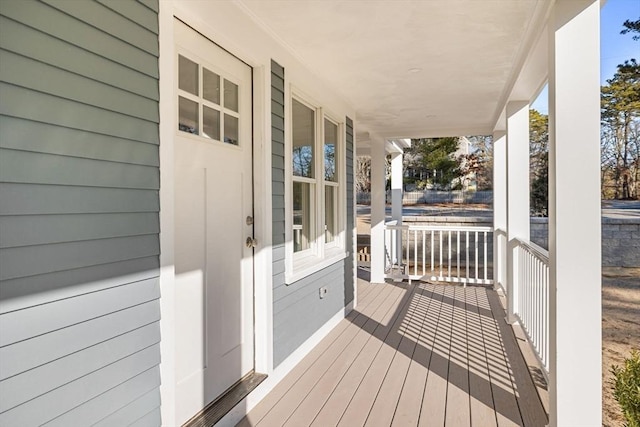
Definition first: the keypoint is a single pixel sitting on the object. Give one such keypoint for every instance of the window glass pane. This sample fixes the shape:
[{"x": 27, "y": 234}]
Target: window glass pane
[
  {"x": 302, "y": 219},
  {"x": 210, "y": 86},
  {"x": 210, "y": 123},
  {"x": 303, "y": 139},
  {"x": 230, "y": 95},
  {"x": 188, "y": 115},
  {"x": 330, "y": 144},
  {"x": 230, "y": 129},
  {"x": 187, "y": 75},
  {"x": 330, "y": 228}
]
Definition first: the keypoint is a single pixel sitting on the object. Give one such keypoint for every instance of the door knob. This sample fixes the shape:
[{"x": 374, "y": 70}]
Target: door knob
[{"x": 251, "y": 242}]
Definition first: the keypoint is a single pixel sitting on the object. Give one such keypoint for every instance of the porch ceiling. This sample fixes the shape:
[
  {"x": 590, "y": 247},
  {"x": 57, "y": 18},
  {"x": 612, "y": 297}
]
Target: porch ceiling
[{"x": 413, "y": 68}]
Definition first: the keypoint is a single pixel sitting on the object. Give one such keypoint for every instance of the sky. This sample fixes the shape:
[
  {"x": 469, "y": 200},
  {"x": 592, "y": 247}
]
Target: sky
[{"x": 615, "y": 48}]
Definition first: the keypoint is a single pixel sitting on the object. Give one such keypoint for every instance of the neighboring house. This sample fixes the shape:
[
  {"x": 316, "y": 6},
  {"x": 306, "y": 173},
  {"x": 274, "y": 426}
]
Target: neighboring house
[
  {"x": 419, "y": 173},
  {"x": 176, "y": 185}
]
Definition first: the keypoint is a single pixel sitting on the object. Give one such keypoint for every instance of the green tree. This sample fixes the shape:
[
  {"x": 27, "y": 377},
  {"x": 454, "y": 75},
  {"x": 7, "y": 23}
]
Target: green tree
[
  {"x": 620, "y": 127},
  {"x": 539, "y": 162},
  {"x": 436, "y": 157},
  {"x": 631, "y": 27},
  {"x": 620, "y": 117}
]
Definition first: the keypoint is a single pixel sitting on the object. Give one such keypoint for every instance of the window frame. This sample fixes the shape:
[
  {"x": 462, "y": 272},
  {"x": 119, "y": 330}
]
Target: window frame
[
  {"x": 202, "y": 102},
  {"x": 320, "y": 254}
]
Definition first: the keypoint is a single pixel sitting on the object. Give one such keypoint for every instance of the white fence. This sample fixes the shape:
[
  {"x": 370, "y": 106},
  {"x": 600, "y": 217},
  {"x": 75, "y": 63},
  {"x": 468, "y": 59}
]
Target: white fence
[
  {"x": 458, "y": 254},
  {"x": 464, "y": 254},
  {"x": 532, "y": 296}
]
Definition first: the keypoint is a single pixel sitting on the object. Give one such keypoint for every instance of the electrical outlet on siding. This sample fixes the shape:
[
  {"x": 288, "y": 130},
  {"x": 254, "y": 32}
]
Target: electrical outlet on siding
[{"x": 323, "y": 291}]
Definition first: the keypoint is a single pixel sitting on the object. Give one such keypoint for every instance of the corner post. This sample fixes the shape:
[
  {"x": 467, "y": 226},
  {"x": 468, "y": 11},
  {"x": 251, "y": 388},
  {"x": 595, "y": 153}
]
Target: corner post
[
  {"x": 575, "y": 306},
  {"x": 378, "y": 202},
  {"x": 500, "y": 210},
  {"x": 396, "y": 203},
  {"x": 517, "y": 195}
]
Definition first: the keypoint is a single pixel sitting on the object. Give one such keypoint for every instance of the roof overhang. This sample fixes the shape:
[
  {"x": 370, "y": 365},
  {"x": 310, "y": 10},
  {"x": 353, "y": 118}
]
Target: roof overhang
[{"x": 417, "y": 68}]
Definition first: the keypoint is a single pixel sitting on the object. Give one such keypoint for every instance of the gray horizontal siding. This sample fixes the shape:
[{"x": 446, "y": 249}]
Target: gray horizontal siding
[
  {"x": 68, "y": 396},
  {"x": 45, "y": 378},
  {"x": 41, "y": 107},
  {"x": 22, "y": 292},
  {"x": 45, "y": 229},
  {"x": 25, "y": 261},
  {"x": 111, "y": 22},
  {"x": 151, "y": 419},
  {"x": 119, "y": 406},
  {"x": 139, "y": 12},
  {"x": 74, "y": 31},
  {"x": 28, "y": 354},
  {"x": 299, "y": 312},
  {"x": 277, "y": 158},
  {"x": 65, "y": 170},
  {"x": 45, "y": 318},
  {"x": 21, "y": 199},
  {"x": 25, "y": 72},
  {"x": 79, "y": 184},
  {"x": 28, "y": 42},
  {"x": 131, "y": 412},
  {"x": 25, "y": 135}
]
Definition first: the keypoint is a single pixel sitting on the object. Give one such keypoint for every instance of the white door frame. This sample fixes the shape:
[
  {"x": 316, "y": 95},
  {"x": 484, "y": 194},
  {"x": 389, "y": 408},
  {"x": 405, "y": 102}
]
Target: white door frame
[{"x": 263, "y": 297}]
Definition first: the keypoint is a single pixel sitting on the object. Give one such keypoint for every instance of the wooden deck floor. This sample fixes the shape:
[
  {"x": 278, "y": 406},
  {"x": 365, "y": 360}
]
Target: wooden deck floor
[{"x": 410, "y": 355}]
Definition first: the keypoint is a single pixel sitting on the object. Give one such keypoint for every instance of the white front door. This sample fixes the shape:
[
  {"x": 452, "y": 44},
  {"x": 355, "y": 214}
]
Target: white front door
[{"x": 213, "y": 200}]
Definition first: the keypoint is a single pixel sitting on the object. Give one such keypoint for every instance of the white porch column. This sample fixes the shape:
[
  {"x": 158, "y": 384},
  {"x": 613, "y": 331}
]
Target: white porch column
[
  {"x": 574, "y": 214},
  {"x": 517, "y": 194},
  {"x": 500, "y": 209},
  {"x": 378, "y": 202},
  {"x": 396, "y": 201}
]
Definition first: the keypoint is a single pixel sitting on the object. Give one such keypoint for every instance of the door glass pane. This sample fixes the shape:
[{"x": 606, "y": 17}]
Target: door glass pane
[
  {"x": 210, "y": 86},
  {"x": 210, "y": 123},
  {"x": 303, "y": 139},
  {"x": 302, "y": 220},
  {"x": 330, "y": 144},
  {"x": 330, "y": 228},
  {"x": 187, "y": 75},
  {"x": 230, "y": 129},
  {"x": 230, "y": 95},
  {"x": 188, "y": 115}
]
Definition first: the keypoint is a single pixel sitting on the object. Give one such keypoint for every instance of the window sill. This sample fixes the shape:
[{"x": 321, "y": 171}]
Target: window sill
[{"x": 312, "y": 264}]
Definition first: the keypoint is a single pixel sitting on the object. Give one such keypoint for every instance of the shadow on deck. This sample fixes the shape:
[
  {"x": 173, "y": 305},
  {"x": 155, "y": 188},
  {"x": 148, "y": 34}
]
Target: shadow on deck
[{"x": 410, "y": 355}]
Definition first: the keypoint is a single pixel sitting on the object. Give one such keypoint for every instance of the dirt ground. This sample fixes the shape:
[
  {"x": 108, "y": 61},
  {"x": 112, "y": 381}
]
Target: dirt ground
[{"x": 620, "y": 331}]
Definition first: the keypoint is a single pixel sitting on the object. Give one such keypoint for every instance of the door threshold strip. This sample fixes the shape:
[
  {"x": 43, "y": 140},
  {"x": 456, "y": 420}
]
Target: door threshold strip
[{"x": 217, "y": 409}]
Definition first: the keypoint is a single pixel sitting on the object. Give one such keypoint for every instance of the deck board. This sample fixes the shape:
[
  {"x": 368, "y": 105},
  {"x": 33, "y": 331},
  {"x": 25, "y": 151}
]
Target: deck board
[
  {"x": 368, "y": 297},
  {"x": 337, "y": 402},
  {"x": 481, "y": 398},
  {"x": 383, "y": 410},
  {"x": 306, "y": 412},
  {"x": 457, "y": 410},
  {"x": 409, "y": 355},
  {"x": 410, "y": 400}
]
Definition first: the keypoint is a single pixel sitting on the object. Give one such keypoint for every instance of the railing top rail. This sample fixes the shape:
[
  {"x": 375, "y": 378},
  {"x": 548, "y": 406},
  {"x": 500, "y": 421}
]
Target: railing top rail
[
  {"x": 538, "y": 251},
  {"x": 439, "y": 227}
]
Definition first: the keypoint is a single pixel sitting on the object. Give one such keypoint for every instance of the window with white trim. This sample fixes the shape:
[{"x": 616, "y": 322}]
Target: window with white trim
[
  {"x": 304, "y": 179},
  {"x": 207, "y": 103},
  {"x": 316, "y": 223},
  {"x": 331, "y": 182}
]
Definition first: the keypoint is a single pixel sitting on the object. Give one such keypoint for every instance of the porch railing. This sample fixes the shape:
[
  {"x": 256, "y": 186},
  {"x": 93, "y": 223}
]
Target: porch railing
[
  {"x": 458, "y": 254},
  {"x": 532, "y": 296}
]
